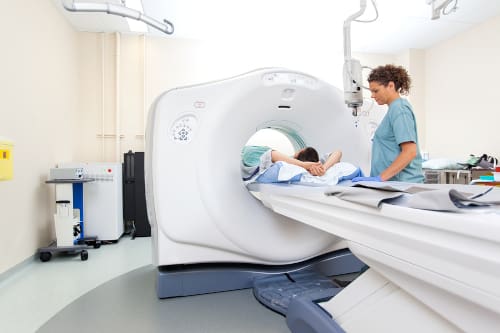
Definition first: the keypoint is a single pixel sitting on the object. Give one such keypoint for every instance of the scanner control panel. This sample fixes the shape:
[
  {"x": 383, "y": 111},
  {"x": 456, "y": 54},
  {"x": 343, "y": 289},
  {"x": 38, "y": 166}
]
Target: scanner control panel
[{"x": 183, "y": 129}]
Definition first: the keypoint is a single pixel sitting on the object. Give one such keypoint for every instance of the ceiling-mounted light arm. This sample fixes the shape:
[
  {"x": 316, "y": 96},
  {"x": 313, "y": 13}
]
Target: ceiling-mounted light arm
[
  {"x": 166, "y": 27},
  {"x": 72, "y": 6},
  {"x": 442, "y": 7}
]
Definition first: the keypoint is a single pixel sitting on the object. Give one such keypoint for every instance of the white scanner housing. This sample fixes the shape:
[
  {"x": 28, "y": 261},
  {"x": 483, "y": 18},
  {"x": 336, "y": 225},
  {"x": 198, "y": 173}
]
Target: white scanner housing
[{"x": 199, "y": 209}]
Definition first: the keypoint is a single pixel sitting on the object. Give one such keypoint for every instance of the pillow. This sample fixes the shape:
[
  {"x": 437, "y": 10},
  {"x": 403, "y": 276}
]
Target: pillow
[
  {"x": 442, "y": 163},
  {"x": 334, "y": 175},
  {"x": 282, "y": 172}
]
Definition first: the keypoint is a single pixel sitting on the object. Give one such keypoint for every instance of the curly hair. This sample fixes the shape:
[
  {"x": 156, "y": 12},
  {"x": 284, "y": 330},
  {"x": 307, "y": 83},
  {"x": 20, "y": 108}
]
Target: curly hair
[
  {"x": 308, "y": 154},
  {"x": 396, "y": 74}
]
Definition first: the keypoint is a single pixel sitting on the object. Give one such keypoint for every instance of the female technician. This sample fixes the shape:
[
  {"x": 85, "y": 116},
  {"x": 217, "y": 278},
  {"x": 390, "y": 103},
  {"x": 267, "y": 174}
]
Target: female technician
[{"x": 395, "y": 150}]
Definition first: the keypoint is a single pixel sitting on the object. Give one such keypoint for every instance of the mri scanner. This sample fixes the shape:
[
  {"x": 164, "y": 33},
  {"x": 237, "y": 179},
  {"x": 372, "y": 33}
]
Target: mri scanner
[{"x": 428, "y": 271}]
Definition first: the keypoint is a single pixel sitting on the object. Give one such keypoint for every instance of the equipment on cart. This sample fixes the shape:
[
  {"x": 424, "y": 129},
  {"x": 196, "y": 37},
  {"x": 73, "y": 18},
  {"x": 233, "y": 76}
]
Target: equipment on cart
[{"x": 68, "y": 219}]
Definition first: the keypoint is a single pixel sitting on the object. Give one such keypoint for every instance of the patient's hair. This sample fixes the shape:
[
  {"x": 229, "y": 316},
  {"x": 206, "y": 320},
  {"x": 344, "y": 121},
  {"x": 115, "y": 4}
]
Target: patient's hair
[
  {"x": 396, "y": 74},
  {"x": 308, "y": 154}
]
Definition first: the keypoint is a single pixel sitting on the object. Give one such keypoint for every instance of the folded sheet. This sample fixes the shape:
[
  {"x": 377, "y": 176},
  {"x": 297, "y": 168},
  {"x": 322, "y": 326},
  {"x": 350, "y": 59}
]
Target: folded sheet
[
  {"x": 453, "y": 200},
  {"x": 364, "y": 196},
  {"x": 420, "y": 196}
]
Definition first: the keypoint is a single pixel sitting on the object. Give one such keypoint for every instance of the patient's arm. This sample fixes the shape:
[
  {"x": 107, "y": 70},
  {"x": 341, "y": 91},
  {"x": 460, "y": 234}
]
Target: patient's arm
[
  {"x": 320, "y": 170},
  {"x": 309, "y": 166},
  {"x": 332, "y": 159}
]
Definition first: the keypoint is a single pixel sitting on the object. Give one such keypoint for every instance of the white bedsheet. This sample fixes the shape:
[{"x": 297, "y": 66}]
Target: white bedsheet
[{"x": 282, "y": 172}]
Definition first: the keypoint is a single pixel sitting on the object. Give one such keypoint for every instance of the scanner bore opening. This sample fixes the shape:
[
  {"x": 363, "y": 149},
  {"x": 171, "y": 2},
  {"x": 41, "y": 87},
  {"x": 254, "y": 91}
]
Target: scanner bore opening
[{"x": 282, "y": 139}]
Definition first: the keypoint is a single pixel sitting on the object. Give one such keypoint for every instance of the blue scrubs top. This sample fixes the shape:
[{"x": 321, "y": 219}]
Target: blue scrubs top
[
  {"x": 398, "y": 126},
  {"x": 250, "y": 155}
]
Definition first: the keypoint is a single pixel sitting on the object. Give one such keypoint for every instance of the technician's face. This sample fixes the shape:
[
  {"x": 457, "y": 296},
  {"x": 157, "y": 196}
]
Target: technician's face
[{"x": 380, "y": 93}]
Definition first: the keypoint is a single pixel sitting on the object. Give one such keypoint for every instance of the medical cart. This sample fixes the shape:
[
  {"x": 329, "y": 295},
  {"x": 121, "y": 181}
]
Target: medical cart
[{"x": 69, "y": 225}]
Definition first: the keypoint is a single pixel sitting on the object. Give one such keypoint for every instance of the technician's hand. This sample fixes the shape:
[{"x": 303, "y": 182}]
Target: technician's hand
[{"x": 367, "y": 179}]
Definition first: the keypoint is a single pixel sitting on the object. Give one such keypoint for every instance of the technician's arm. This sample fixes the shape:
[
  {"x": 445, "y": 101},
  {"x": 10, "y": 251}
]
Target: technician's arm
[
  {"x": 407, "y": 154},
  {"x": 277, "y": 156}
]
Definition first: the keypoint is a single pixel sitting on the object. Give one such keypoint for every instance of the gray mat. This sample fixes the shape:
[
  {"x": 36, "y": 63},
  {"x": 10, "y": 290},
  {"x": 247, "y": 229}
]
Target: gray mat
[
  {"x": 438, "y": 197},
  {"x": 128, "y": 303}
]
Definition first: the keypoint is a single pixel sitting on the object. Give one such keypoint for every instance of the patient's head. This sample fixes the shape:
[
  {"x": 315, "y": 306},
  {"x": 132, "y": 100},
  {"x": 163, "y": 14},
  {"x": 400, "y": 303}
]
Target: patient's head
[{"x": 308, "y": 154}]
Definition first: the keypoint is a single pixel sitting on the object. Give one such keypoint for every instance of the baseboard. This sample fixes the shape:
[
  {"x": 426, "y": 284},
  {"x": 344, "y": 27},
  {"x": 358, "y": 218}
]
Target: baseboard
[{"x": 9, "y": 273}]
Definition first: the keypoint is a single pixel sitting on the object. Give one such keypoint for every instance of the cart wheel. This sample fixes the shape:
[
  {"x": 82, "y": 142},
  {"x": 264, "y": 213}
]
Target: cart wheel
[
  {"x": 45, "y": 256},
  {"x": 84, "y": 255}
]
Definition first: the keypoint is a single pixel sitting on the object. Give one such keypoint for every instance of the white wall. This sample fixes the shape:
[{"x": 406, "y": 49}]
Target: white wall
[
  {"x": 111, "y": 81},
  {"x": 461, "y": 89},
  {"x": 38, "y": 84},
  {"x": 164, "y": 63}
]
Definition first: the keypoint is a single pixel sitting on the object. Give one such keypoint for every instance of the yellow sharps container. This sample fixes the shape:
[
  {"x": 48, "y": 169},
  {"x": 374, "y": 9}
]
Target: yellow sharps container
[{"x": 6, "y": 163}]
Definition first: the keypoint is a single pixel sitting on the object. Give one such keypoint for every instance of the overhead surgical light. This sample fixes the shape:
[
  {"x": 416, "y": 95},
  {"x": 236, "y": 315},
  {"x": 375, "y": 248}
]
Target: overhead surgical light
[
  {"x": 353, "y": 94},
  {"x": 444, "y": 7},
  {"x": 120, "y": 10}
]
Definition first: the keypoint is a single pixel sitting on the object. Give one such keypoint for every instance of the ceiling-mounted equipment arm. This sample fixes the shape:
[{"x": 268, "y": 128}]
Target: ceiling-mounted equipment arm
[
  {"x": 72, "y": 6},
  {"x": 442, "y": 6},
  {"x": 353, "y": 95},
  {"x": 347, "y": 29}
]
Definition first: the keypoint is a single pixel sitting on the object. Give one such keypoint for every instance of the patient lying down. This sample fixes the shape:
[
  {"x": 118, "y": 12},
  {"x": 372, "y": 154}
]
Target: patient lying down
[{"x": 265, "y": 165}]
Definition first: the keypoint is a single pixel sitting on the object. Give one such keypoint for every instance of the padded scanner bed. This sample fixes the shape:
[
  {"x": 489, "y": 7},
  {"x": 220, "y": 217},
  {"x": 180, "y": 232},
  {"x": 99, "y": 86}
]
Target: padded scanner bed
[{"x": 429, "y": 271}]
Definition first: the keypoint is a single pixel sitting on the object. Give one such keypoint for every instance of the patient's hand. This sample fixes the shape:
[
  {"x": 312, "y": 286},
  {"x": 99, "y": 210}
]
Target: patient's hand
[
  {"x": 308, "y": 165},
  {"x": 316, "y": 169}
]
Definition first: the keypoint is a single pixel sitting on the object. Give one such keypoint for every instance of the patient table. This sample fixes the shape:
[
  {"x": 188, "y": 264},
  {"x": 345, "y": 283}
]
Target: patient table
[{"x": 433, "y": 271}]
